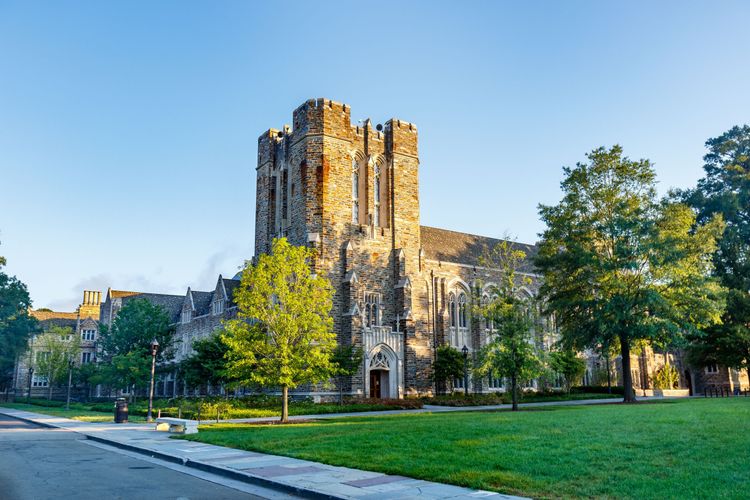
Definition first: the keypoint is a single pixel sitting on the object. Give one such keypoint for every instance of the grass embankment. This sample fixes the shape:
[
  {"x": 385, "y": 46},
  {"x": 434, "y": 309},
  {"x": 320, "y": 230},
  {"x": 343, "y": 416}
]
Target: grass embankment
[
  {"x": 77, "y": 412},
  {"x": 669, "y": 449}
]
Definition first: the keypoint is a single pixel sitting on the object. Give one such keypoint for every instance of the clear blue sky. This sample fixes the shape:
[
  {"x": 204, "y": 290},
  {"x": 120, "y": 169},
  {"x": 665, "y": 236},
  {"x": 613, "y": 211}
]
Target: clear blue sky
[{"x": 128, "y": 130}]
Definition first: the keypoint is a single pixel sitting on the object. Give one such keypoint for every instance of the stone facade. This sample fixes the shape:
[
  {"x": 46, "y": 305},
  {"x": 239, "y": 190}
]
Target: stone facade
[
  {"x": 84, "y": 323},
  {"x": 352, "y": 193}
]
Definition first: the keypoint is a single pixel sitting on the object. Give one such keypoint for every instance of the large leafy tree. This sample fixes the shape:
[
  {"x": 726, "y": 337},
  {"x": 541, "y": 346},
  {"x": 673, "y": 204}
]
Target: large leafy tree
[
  {"x": 208, "y": 364},
  {"x": 348, "y": 360},
  {"x": 621, "y": 266},
  {"x": 283, "y": 334},
  {"x": 448, "y": 366},
  {"x": 725, "y": 190},
  {"x": 54, "y": 349},
  {"x": 16, "y": 325},
  {"x": 126, "y": 343},
  {"x": 569, "y": 365},
  {"x": 511, "y": 353}
]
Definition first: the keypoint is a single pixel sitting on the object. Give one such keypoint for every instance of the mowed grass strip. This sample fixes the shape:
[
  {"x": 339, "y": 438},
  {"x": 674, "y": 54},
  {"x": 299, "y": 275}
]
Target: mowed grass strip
[
  {"x": 74, "y": 413},
  {"x": 670, "y": 449}
]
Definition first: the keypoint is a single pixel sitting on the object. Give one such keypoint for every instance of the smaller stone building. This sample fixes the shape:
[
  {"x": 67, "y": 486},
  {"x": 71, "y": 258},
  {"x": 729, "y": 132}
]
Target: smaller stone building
[{"x": 83, "y": 322}]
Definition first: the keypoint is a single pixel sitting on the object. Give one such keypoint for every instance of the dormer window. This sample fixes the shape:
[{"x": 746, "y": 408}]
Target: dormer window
[
  {"x": 88, "y": 334},
  {"x": 186, "y": 316},
  {"x": 218, "y": 307}
]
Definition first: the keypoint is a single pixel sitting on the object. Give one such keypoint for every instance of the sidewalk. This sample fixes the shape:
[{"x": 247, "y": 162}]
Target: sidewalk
[{"x": 299, "y": 477}]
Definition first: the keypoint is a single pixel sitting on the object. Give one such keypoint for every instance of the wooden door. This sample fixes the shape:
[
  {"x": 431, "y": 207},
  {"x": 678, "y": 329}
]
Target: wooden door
[{"x": 375, "y": 384}]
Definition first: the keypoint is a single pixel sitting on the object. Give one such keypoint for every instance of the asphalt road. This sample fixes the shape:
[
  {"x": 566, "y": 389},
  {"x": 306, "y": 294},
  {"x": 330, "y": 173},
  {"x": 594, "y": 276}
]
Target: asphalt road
[{"x": 38, "y": 463}]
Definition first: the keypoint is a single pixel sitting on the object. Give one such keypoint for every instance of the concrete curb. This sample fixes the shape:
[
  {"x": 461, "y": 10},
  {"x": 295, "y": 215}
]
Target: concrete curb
[{"x": 195, "y": 464}]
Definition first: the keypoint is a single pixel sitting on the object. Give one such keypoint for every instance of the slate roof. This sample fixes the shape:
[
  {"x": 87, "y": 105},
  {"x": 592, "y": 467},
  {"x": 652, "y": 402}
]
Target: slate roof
[
  {"x": 201, "y": 301},
  {"x": 121, "y": 293},
  {"x": 171, "y": 303},
  {"x": 229, "y": 286},
  {"x": 464, "y": 248},
  {"x": 48, "y": 319}
]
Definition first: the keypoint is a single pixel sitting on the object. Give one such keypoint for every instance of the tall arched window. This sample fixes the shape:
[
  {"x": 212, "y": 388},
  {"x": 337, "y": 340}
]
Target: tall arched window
[
  {"x": 376, "y": 191},
  {"x": 462, "y": 310},
  {"x": 487, "y": 320},
  {"x": 452, "y": 309},
  {"x": 355, "y": 192}
]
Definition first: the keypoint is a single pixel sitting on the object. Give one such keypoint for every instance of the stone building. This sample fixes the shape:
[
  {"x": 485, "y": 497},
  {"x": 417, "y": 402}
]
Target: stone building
[
  {"x": 83, "y": 322},
  {"x": 401, "y": 289}
]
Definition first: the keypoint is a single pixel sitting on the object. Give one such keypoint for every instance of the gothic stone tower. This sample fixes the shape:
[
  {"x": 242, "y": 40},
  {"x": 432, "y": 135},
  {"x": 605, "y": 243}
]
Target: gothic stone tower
[{"x": 351, "y": 192}]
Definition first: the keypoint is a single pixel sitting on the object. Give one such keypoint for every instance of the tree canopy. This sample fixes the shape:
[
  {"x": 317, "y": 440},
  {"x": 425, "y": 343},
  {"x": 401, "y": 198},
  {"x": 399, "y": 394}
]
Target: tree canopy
[
  {"x": 208, "y": 364},
  {"x": 55, "y": 349},
  {"x": 448, "y": 365},
  {"x": 126, "y": 343},
  {"x": 511, "y": 351},
  {"x": 16, "y": 325},
  {"x": 621, "y": 265},
  {"x": 725, "y": 190},
  {"x": 283, "y": 334}
]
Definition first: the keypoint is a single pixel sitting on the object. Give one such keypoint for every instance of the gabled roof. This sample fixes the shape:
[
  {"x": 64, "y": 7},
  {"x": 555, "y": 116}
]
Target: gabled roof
[
  {"x": 464, "y": 248},
  {"x": 230, "y": 286},
  {"x": 201, "y": 301},
  {"x": 121, "y": 293},
  {"x": 48, "y": 319},
  {"x": 172, "y": 304}
]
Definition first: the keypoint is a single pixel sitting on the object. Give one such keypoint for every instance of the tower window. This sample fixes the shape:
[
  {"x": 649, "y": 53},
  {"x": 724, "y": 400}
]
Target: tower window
[
  {"x": 452, "y": 309},
  {"x": 372, "y": 309},
  {"x": 355, "y": 192},
  {"x": 376, "y": 191}
]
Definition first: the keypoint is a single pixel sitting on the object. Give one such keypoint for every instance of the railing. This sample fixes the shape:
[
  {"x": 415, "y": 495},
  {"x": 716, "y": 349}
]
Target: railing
[{"x": 724, "y": 392}]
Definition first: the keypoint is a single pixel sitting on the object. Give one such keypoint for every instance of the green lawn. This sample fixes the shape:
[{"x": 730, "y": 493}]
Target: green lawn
[
  {"x": 75, "y": 412},
  {"x": 670, "y": 449}
]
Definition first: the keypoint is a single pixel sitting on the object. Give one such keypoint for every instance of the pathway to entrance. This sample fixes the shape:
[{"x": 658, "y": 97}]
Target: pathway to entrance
[{"x": 289, "y": 475}]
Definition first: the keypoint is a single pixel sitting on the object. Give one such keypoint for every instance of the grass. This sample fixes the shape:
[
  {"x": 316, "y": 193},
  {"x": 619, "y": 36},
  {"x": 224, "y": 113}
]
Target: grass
[
  {"x": 76, "y": 412},
  {"x": 671, "y": 449},
  {"x": 459, "y": 399}
]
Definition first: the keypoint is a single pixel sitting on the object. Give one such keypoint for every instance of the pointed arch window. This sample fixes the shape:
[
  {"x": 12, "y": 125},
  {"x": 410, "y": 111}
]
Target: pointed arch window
[
  {"x": 487, "y": 319},
  {"x": 452, "y": 309},
  {"x": 376, "y": 191},
  {"x": 355, "y": 192},
  {"x": 462, "y": 311}
]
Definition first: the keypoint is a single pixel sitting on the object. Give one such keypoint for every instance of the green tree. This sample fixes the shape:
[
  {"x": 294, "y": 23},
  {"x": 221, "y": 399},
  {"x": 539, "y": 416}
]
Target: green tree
[
  {"x": 512, "y": 351},
  {"x": 348, "y": 360},
  {"x": 621, "y": 266},
  {"x": 16, "y": 325},
  {"x": 569, "y": 365},
  {"x": 55, "y": 348},
  {"x": 725, "y": 190},
  {"x": 126, "y": 343},
  {"x": 208, "y": 364},
  {"x": 448, "y": 365},
  {"x": 283, "y": 334}
]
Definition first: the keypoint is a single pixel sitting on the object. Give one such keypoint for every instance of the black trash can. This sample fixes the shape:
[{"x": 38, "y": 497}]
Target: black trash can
[{"x": 121, "y": 411}]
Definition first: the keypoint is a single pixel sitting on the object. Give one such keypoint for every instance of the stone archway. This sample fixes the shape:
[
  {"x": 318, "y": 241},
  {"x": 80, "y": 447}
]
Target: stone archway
[{"x": 382, "y": 373}]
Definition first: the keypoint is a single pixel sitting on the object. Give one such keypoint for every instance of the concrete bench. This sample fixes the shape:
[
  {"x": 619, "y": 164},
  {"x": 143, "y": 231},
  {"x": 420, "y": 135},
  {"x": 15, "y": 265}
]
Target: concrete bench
[{"x": 176, "y": 425}]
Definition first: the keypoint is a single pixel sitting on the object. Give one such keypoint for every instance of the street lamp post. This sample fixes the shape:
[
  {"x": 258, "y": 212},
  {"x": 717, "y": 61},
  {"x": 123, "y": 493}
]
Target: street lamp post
[
  {"x": 31, "y": 374},
  {"x": 154, "y": 349},
  {"x": 465, "y": 352},
  {"x": 70, "y": 381}
]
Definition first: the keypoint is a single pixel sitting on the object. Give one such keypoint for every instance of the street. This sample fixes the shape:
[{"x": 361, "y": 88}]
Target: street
[{"x": 38, "y": 463}]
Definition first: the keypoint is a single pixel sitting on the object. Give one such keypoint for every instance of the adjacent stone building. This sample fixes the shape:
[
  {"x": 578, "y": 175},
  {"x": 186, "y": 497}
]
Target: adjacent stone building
[{"x": 83, "y": 322}]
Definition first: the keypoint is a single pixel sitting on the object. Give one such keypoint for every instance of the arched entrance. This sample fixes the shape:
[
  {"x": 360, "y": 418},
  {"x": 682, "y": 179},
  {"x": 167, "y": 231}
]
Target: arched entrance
[{"x": 381, "y": 373}]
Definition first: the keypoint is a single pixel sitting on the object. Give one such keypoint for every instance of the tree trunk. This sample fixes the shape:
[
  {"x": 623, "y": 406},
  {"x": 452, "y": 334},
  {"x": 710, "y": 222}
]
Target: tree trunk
[
  {"x": 341, "y": 391},
  {"x": 49, "y": 384},
  {"x": 627, "y": 378},
  {"x": 609, "y": 374},
  {"x": 284, "y": 404},
  {"x": 514, "y": 393}
]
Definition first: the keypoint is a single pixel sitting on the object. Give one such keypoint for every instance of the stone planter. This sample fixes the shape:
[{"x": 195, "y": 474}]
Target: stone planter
[{"x": 672, "y": 393}]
